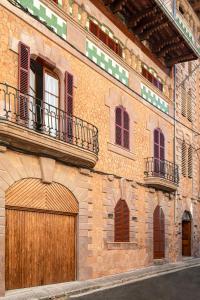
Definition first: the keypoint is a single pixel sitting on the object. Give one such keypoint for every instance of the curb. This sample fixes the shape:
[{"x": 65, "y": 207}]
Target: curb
[{"x": 117, "y": 283}]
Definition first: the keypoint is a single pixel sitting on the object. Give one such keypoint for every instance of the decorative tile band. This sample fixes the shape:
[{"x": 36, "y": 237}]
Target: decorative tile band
[
  {"x": 183, "y": 26},
  {"x": 107, "y": 63},
  {"x": 38, "y": 9},
  {"x": 154, "y": 99}
]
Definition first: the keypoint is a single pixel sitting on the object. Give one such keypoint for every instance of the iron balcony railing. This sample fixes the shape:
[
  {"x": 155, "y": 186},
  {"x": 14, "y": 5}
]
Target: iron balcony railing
[
  {"x": 38, "y": 115},
  {"x": 155, "y": 167}
]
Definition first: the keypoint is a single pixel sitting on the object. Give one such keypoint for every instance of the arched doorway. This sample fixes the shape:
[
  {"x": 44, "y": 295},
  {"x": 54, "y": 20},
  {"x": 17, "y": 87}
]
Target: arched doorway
[
  {"x": 158, "y": 233},
  {"x": 40, "y": 234},
  {"x": 186, "y": 233}
]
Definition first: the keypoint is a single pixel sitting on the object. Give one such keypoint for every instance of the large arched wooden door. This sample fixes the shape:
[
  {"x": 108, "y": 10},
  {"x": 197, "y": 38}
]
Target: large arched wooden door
[
  {"x": 186, "y": 234},
  {"x": 40, "y": 234},
  {"x": 158, "y": 233}
]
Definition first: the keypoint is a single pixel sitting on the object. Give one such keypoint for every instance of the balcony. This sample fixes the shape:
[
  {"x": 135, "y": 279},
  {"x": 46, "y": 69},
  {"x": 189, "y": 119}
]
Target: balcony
[
  {"x": 161, "y": 174},
  {"x": 34, "y": 126},
  {"x": 156, "y": 25}
]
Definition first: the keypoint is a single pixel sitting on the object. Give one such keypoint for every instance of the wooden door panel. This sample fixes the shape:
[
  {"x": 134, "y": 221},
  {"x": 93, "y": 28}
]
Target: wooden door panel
[
  {"x": 158, "y": 233},
  {"x": 40, "y": 248},
  {"x": 186, "y": 238}
]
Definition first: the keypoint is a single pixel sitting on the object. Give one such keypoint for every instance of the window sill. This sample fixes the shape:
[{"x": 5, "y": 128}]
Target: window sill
[
  {"x": 121, "y": 246},
  {"x": 121, "y": 151}
]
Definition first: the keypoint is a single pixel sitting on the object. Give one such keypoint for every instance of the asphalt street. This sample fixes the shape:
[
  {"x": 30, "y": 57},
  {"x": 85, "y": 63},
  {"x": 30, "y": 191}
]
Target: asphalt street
[{"x": 182, "y": 285}]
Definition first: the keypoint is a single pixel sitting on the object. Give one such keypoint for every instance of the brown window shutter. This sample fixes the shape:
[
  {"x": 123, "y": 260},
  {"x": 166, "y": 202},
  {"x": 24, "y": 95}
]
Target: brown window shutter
[
  {"x": 183, "y": 102},
  {"x": 190, "y": 161},
  {"x": 118, "y": 126},
  {"x": 69, "y": 83},
  {"x": 122, "y": 216},
  {"x": 183, "y": 162},
  {"x": 23, "y": 79},
  {"x": 189, "y": 106},
  {"x": 126, "y": 130}
]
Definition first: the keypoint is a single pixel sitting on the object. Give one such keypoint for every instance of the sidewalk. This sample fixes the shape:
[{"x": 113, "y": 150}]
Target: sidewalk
[{"x": 64, "y": 291}]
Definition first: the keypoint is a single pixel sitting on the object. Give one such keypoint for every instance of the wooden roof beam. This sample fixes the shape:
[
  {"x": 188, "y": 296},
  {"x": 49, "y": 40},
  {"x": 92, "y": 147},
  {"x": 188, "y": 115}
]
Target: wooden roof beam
[
  {"x": 196, "y": 5},
  {"x": 139, "y": 30},
  {"x": 150, "y": 31},
  {"x": 172, "y": 48},
  {"x": 179, "y": 59},
  {"x": 163, "y": 44},
  {"x": 146, "y": 13},
  {"x": 118, "y": 6},
  {"x": 108, "y": 2}
]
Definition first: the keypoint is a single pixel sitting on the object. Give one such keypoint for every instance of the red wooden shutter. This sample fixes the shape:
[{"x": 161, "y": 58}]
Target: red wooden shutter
[
  {"x": 118, "y": 126},
  {"x": 103, "y": 36},
  {"x": 121, "y": 222},
  {"x": 23, "y": 79},
  {"x": 69, "y": 82},
  {"x": 94, "y": 28},
  {"x": 159, "y": 233}
]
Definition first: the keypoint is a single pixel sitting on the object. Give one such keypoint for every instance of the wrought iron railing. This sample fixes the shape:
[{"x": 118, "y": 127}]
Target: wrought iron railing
[
  {"x": 155, "y": 167},
  {"x": 38, "y": 115}
]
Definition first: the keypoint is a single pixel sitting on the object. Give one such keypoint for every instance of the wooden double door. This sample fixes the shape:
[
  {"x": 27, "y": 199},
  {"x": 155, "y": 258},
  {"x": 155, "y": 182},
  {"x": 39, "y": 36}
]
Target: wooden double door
[
  {"x": 186, "y": 238},
  {"x": 40, "y": 248}
]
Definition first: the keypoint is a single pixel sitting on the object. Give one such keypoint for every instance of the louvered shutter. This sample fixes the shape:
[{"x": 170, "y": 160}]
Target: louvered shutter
[
  {"x": 190, "y": 161},
  {"x": 156, "y": 151},
  {"x": 94, "y": 28},
  {"x": 23, "y": 79},
  {"x": 183, "y": 158},
  {"x": 121, "y": 222},
  {"x": 162, "y": 154},
  {"x": 118, "y": 126},
  {"x": 183, "y": 101},
  {"x": 69, "y": 82},
  {"x": 103, "y": 36},
  {"x": 189, "y": 106},
  {"x": 126, "y": 130}
]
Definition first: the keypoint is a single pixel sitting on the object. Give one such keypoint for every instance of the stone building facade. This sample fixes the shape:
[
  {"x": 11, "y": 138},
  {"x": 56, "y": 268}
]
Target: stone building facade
[{"x": 119, "y": 198}]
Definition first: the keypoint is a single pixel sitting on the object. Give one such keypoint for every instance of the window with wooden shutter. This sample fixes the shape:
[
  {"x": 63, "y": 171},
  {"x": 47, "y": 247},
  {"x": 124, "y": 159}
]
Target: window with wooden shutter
[
  {"x": 105, "y": 38},
  {"x": 159, "y": 152},
  {"x": 190, "y": 161},
  {"x": 183, "y": 159},
  {"x": 183, "y": 101},
  {"x": 23, "y": 80},
  {"x": 122, "y": 127},
  {"x": 189, "y": 105},
  {"x": 69, "y": 83},
  {"x": 122, "y": 221},
  {"x": 151, "y": 78}
]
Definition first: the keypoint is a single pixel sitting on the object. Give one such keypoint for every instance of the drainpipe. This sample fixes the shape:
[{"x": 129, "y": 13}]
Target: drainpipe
[{"x": 174, "y": 100}]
